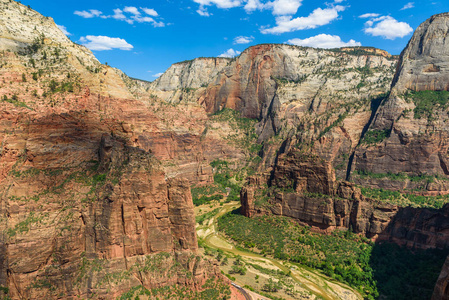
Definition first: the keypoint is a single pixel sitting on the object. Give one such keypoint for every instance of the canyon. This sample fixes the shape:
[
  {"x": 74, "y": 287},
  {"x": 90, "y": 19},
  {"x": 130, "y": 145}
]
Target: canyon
[{"x": 96, "y": 168}]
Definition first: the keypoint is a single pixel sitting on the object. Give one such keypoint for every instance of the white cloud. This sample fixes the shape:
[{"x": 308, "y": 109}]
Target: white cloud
[
  {"x": 369, "y": 15},
  {"x": 388, "y": 28},
  {"x": 202, "y": 11},
  {"x": 150, "y": 11},
  {"x": 63, "y": 29},
  {"x": 100, "y": 43},
  {"x": 253, "y": 5},
  {"x": 325, "y": 41},
  {"x": 158, "y": 75},
  {"x": 243, "y": 39},
  {"x": 129, "y": 14},
  {"x": 132, "y": 10},
  {"x": 408, "y": 5},
  {"x": 318, "y": 17},
  {"x": 88, "y": 14},
  {"x": 220, "y": 3},
  {"x": 284, "y": 7},
  {"x": 118, "y": 14},
  {"x": 229, "y": 53}
]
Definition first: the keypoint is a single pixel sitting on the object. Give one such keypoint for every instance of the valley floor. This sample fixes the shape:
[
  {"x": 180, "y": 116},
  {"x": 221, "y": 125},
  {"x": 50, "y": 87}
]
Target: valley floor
[{"x": 263, "y": 274}]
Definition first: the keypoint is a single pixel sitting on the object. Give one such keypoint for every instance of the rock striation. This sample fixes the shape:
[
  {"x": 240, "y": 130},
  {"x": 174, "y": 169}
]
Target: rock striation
[
  {"x": 304, "y": 188},
  {"x": 424, "y": 63},
  {"x": 412, "y": 120},
  {"x": 266, "y": 81},
  {"x": 94, "y": 179}
]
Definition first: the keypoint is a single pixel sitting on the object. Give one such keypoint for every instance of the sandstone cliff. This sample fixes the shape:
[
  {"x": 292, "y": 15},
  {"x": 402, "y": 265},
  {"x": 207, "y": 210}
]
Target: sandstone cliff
[
  {"x": 301, "y": 97},
  {"x": 277, "y": 83},
  {"x": 186, "y": 81},
  {"x": 303, "y": 187},
  {"x": 441, "y": 291},
  {"x": 409, "y": 132},
  {"x": 90, "y": 205}
]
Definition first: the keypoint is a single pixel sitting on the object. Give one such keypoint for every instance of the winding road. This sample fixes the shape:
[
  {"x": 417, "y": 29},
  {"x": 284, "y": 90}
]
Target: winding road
[{"x": 244, "y": 293}]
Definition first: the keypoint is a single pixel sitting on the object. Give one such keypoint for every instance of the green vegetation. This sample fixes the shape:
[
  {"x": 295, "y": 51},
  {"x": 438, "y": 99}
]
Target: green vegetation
[
  {"x": 401, "y": 176},
  {"x": 226, "y": 179},
  {"x": 375, "y": 136},
  {"x": 365, "y": 71},
  {"x": 245, "y": 135},
  {"x": 26, "y": 224},
  {"x": 56, "y": 87},
  {"x": 359, "y": 51},
  {"x": 207, "y": 216},
  {"x": 337, "y": 122},
  {"x": 272, "y": 286},
  {"x": 406, "y": 274},
  {"x": 427, "y": 102},
  {"x": 283, "y": 80},
  {"x": 344, "y": 256},
  {"x": 212, "y": 289},
  {"x": 15, "y": 101},
  {"x": 206, "y": 194},
  {"x": 403, "y": 199}
]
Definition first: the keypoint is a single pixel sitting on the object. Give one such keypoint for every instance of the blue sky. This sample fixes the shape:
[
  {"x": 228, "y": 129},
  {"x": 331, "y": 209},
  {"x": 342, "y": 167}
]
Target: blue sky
[{"x": 144, "y": 37}]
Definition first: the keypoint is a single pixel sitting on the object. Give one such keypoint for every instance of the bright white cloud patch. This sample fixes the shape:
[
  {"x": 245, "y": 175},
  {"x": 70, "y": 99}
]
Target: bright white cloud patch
[
  {"x": 387, "y": 27},
  {"x": 150, "y": 12},
  {"x": 230, "y": 53},
  {"x": 129, "y": 14},
  {"x": 101, "y": 43},
  {"x": 158, "y": 75},
  {"x": 325, "y": 41},
  {"x": 318, "y": 17},
  {"x": 63, "y": 29},
  {"x": 408, "y": 5},
  {"x": 92, "y": 13},
  {"x": 284, "y": 7},
  {"x": 243, "y": 39},
  {"x": 253, "y": 5},
  {"x": 278, "y": 7},
  {"x": 369, "y": 15},
  {"x": 132, "y": 10},
  {"x": 118, "y": 14},
  {"x": 220, "y": 3}
]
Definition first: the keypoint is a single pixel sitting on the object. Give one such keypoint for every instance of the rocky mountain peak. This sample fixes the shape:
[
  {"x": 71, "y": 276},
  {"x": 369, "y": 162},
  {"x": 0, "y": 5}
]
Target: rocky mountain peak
[
  {"x": 190, "y": 74},
  {"x": 424, "y": 63},
  {"x": 20, "y": 25}
]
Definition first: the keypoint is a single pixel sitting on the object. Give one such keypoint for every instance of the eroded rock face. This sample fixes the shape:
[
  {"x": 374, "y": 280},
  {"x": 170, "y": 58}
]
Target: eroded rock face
[
  {"x": 304, "y": 188},
  {"x": 424, "y": 64},
  {"x": 103, "y": 203},
  {"x": 277, "y": 83},
  {"x": 415, "y": 139},
  {"x": 90, "y": 205},
  {"x": 419, "y": 228},
  {"x": 311, "y": 195},
  {"x": 441, "y": 291},
  {"x": 190, "y": 74}
]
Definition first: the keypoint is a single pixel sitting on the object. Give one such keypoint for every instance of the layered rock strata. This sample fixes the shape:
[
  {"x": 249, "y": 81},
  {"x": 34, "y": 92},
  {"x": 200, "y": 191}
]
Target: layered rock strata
[
  {"x": 412, "y": 121},
  {"x": 304, "y": 188}
]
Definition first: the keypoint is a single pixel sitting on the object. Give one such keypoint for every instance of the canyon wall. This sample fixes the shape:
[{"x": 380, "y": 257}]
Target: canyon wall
[
  {"x": 95, "y": 173},
  {"x": 413, "y": 119},
  {"x": 304, "y": 188}
]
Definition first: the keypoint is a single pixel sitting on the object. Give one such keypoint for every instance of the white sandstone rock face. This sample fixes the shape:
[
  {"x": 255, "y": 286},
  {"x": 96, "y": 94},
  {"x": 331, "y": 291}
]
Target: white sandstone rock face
[
  {"x": 424, "y": 63},
  {"x": 41, "y": 45},
  {"x": 21, "y": 26},
  {"x": 191, "y": 74}
]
